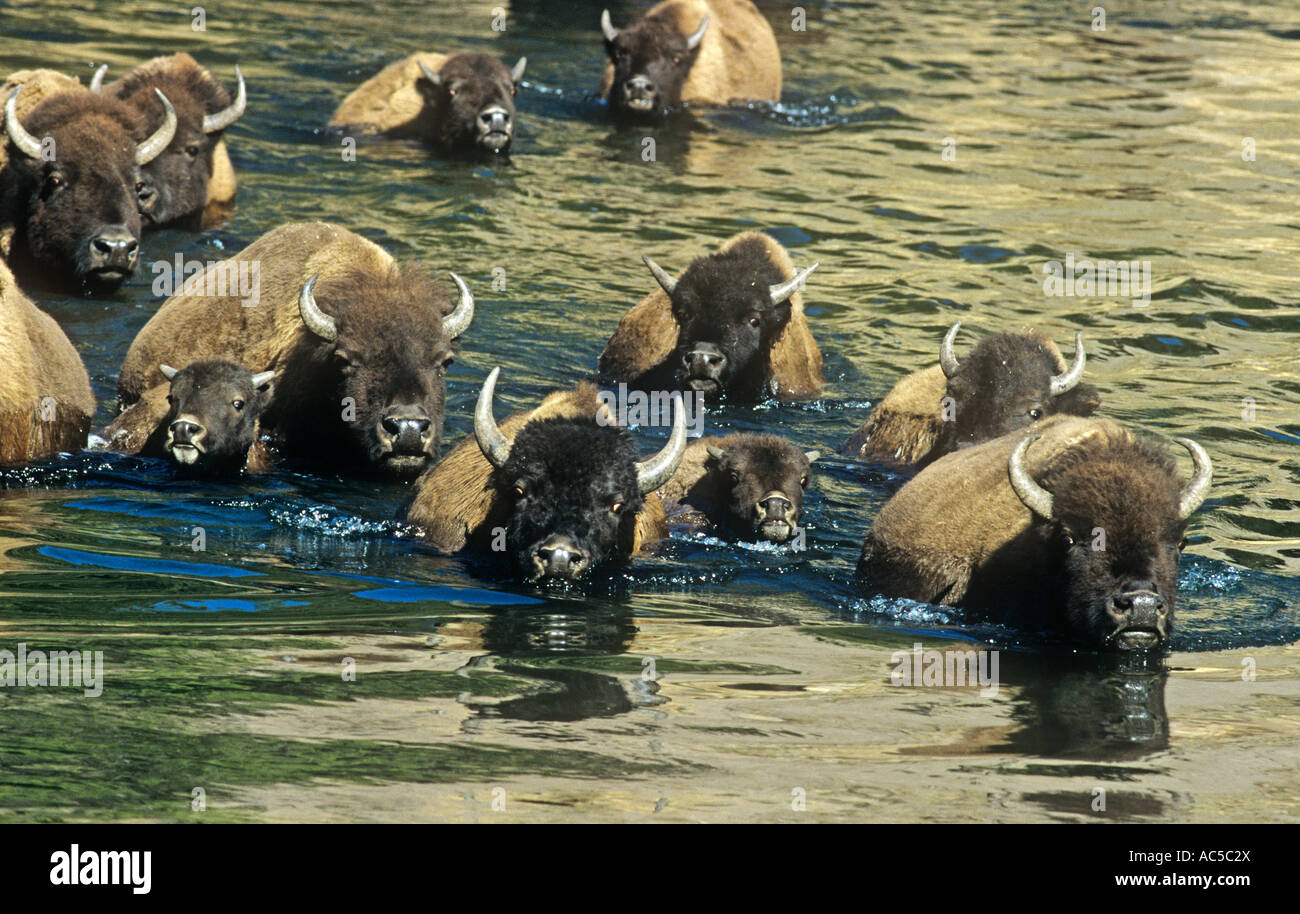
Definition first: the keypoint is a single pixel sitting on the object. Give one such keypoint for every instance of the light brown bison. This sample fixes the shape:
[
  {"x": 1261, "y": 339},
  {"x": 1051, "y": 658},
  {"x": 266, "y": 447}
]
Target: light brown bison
[
  {"x": 707, "y": 52},
  {"x": 458, "y": 102},
  {"x": 1075, "y": 528},
  {"x": 68, "y": 213},
  {"x": 732, "y": 323},
  {"x": 192, "y": 181},
  {"x": 556, "y": 491},
  {"x": 45, "y": 399},
  {"x": 360, "y": 344},
  {"x": 1008, "y": 381},
  {"x": 748, "y": 486}
]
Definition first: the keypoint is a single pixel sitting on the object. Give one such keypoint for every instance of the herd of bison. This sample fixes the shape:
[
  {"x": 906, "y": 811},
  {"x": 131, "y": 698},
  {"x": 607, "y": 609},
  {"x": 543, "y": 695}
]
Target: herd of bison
[{"x": 314, "y": 344}]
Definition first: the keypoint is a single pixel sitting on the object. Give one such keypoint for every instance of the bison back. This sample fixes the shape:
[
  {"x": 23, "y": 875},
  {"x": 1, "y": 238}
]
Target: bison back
[{"x": 389, "y": 102}]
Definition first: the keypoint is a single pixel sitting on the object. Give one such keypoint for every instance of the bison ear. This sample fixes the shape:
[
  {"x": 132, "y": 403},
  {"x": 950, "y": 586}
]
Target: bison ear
[
  {"x": 168, "y": 372},
  {"x": 517, "y": 73},
  {"x": 1080, "y": 400}
]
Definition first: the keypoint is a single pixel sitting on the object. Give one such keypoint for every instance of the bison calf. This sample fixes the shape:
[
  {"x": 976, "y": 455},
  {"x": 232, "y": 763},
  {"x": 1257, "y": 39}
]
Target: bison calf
[
  {"x": 458, "y": 103},
  {"x": 732, "y": 324},
  {"x": 750, "y": 486},
  {"x": 1008, "y": 381},
  {"x": 691, "y": 51},
  {"x": 1076, "y": 529},
  {"x": 558, "y": 491}
]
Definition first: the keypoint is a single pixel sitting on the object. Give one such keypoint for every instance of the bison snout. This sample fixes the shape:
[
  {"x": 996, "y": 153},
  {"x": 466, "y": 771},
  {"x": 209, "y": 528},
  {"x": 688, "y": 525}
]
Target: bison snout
[
  {"x": 777, "y": 517},
  {"x": 704, "y": 362},
  {"x": 494, "y": 120},
  {"x": 407, "y": 432},
  {"x": 113, "y": 249},
  {"x": 1141, "y": 616},
  {"x": 185, "y": 440},
  {"x": 560, "y": 556},
  {"x": 639, "y": 93}
]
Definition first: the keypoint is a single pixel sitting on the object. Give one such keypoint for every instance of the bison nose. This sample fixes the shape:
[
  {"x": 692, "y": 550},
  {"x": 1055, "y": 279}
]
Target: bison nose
[
  {"x": 560, "y": 557},
  {"x": 639, "y": 87},
  {"x": 114, "y": 248},
  {"x": 775, "y": 506},
  {"x": 186, "y": 432},
  {"x": 494, "y": 120},
  {"x": 1141, "y": 615},
  {"x": 704, "y": 360},
  {"x": 407, "y": 429}
]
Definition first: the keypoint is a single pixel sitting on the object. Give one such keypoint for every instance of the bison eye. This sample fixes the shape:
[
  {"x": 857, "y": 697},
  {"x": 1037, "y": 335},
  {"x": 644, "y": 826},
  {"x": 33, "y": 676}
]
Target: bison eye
[
  {"x": 192, "y": 151},
  {"x": 519, "y": 490},
  {"x": 755, "y": 322},
  {"x": 735, "y": 477},
  {"x": 1067, "y": 539},
  {"x": 238, "y": 405},
  {"x": 803, "y": 482},
  {"x": 616, "y": 507},
  {"x": 1035, "y": 413},
  {"x": 1182, "y": 544}
]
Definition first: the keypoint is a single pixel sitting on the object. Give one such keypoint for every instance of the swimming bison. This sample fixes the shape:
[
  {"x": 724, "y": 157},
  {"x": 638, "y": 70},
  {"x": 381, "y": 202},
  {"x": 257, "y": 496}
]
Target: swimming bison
[
  {"x": 558, "y": 491},
  {"x": 1076, "y": 529},
  {"x": 1007, "y": 382},
  {"x": 692, "y": 51},
  {"x": 732, "y": 324},
  {"x": 359, "y": 342},
  {"x": 458, "y": 103}
]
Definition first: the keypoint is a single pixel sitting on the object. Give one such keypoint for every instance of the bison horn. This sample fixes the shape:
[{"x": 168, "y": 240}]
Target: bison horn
[
  {"x": 812, "y": 455},
  {"x": 715, "y": 452},
  {"x": 151, "y": 148},
  {"x": 494, "y": 445},
  {"x": 607, "y": 27},
  {"x": 97, "y": 81},
  {"x": 429, "y": 74},
  {"x": 26, "y": 143},
  {"x": 457, "y": 322},
  {"x": 517, "y": 72},
  {"x": 693, "y": 42},
  {"x": 1194, "y": 492},
  {"x": 654, "y": 471},
  {"x": 666, "y": 282},
  {"x": 947, "y": 358},
  {"x": 1064, "y": 382},
  {"x": 228, "y": 115},
  {"x": 1035, "y": 497},
  {"x": 317, "y": 321},
  {"x": 168, "y": 372},
  {"x": 783, "y": 290},
  {"x": 263, "y": 378}
]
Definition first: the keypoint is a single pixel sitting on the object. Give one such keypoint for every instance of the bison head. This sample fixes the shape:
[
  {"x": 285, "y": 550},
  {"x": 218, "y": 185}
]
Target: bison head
[
  {"x": 1113, "y": 521},
  {"x": 651, "y": 61},
  {"x": 385, "y": 347},
  {"x": 174, "y": 186},
  {"x": 762, "y": 480},
  {"x": 575, "y": 486},
  {"x": 730, "y": 309},
  {"x": 74, "y": 168},
  {"x": 1008, "y": 381},
  {"x": 473, "y": 101},
  {"x": 212, "y": 417}
]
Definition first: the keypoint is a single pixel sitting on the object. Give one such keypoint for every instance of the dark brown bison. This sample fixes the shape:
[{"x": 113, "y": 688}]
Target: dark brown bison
[
  {"x": 211, "y": 423},
  {"x": 748, "y": 486},
  {"x": 45, "y": 399},
  {"x": 360, "y": 344},
  {"x": 67, "y": 190},
  {"x": 689, "y": 51},
  {"x": 191, "y": 182},
  {"x": 1076, "y": 529},
  {"x": 558, "y": 491},
  {"x": 458, "y": 103},
  {"x": 1008, "y": 381},
  {"x": 732, "y": 324}
]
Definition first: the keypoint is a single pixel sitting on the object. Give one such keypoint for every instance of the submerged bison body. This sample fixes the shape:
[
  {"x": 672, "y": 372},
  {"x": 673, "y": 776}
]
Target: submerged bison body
[
  {"x": 689, "y": 51},
  {"x": 732, "y": 324},
  {"x": 458, "y": 103},
  {"x": 557, "y": 492},
  {"x": 45, "y": 399},
  {"x": 192, "y": 177},
  {"x": 67, "y": 190},
  {"x": 1007, "y": 382},
  {"x": 748, "y": 486},
  {"x": 1075, "y": 529},
  {"x": 360, "y": 344}
]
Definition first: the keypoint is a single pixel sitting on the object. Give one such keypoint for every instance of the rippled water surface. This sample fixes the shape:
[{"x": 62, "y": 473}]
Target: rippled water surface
[{"x": 710, "y": 681}]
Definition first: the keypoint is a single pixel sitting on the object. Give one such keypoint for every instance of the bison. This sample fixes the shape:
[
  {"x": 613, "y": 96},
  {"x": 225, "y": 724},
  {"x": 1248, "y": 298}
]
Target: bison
[
  {"x": 67, "y": 191},
  {"x": 211, "y": 422},
  {"x": 360, "y": 344},
  {"x": 1008, "y": 381},
  {"x": 559, "y": 490},
  {"x": 45, "y": 399},
  {"x": 689, "y": 51},
  {"x": 732, "y": 324},
  {"x": 192, "y": 182},
  {"x": 750, "y": 486},
  {"x": 1075, "y": 529},
  {"x": 458, "y": 103}
]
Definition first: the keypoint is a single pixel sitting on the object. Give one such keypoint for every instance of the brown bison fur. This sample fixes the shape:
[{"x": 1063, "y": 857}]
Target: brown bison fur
[
  {"x": 38, "y": 362},
  {"x": 194, "y": 93},
  {"x": 456, "y": 505},
  {"x": 738, "y": 58},
  {"x": 647, "y": 334},
  {"x": 390, "y": 102}
]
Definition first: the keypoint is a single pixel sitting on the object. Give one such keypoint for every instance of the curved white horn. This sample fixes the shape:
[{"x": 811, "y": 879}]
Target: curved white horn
[
  {"x": 653, "y": 472},
  {"x": 517, "y": 72},
  {"x": 1068, "y": 381},
  {"x": 494, "y": 445},
  {"x": 1196, "y": 489},
  {"x": 431, "y": 76},
  {"x": 783, "y": 290},
  {"x": 317, "y": 321},
  {"x": 1034, "y": 496},
  {"x": 607, "y": 27},
  {"x": 694, "y": 40},
  {"x": 151, "y": 148},
  {"x": 97, "y": 81},
  {"x": 263, "y": 378},
  {"x": 26, "y": 143},
  {"x": 457, "y": 322},
  {"x": 666, "y": 282},
  {"x": 231, "y": 113},
  {"x": 168, "y": 372},
  {"x": 947, "y": 357}
]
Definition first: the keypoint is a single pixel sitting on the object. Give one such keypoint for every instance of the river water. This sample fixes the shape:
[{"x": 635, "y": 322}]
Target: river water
[{"x": 933, "y": 156}]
